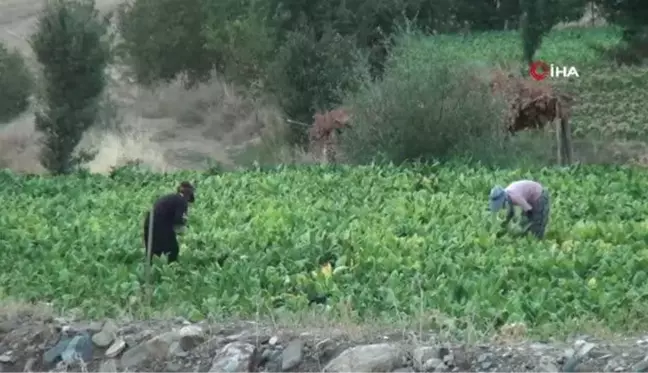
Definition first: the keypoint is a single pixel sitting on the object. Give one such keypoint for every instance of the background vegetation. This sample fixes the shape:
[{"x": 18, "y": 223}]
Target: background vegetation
[{"x": 321, "y": 54}]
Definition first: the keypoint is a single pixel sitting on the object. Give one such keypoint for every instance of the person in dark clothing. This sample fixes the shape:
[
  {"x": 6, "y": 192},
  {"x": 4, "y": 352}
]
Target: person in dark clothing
[{"x": 169, "y": 214}]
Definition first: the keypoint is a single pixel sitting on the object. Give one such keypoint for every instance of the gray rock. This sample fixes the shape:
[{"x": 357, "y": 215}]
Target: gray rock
[
  {"x": 292, "y": 355},
  {"x": 155, "y": 348},
  {"x": 585, "y": 349},
  {"x": 108, "y": 366},
  {"x": 326, "y": 349},
  {"x": 485, "y": 361},
  {"x": 546, "y": 365},
  {"x": 272, "y": 360},
  {"x": 431, "y": 365},
  {"x": 191, "y": 336},
  {"x": 29, "y": 364},
  {"x": 116, "y": 348},
  {"x": 442, "y": 367},
  {"x": 135, "y": 356},
  {"x": 641, "y": 366},
  {"x": 234, "y": 357},
  {"x": 403, "y": 370},
  {"x": 107, "y": 334},
  {"x": 382, "y": 357},
  {"x": 7, "y": 358},
  {"x": 173, "y": 367},
  {"x": 53, "y": 355},
  {"x": 161, "y": 344},
  {"x": 79, "y": 348},
  {"x": 421, "y": 355},
  {"x": 94, "y": 327},
  {"x": 176, "y": 350},
  {"x": 449, "y": 359}
]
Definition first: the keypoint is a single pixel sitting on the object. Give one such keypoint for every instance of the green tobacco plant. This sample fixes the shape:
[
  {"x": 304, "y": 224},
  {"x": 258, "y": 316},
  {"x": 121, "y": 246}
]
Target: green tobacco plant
[{"x": 77, "y": 241}]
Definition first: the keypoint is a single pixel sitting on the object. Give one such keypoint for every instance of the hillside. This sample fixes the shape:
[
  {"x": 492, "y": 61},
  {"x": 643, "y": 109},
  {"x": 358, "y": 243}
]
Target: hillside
[{"x": 166, "y": 128}]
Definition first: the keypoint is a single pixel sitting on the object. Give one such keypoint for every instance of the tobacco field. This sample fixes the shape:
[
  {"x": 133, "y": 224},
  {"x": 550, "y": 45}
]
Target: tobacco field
[{"x": 398, "y": 241}]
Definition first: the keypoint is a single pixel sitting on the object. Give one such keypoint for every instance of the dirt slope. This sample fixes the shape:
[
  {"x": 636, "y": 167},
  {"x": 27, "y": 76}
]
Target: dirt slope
[{"x": 166, "y": 128}]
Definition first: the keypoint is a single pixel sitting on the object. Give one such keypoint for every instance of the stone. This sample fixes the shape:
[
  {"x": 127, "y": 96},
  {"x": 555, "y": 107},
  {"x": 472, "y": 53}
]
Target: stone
[
  {"x": 234, "y": 357},
  {"x": 381, "y": 357},
  {"x": 431, "y": 365},
  {"x": 292, "y": 355},
  {"x": 135, "y": 356},
  {"x": 80, "y": 347},
  {"x": 442, "y": 367},
  {"x": 116, "y": 348},
  {"x": 546, "y": 365},
  {"x": 107, "y": 334},
  {"x": 641, "y": 366},
  {"x": 191, "y": 336},
  {"x": 173, "y": 367},
  {"x": 403, "y": 370},
  {"x": 585, "y": 349},
  {"x": 176, "y": 349},
  {"x": 53, "y": 355},
  {"x": 326, "y": 349},
  {"x": 422, "y": 354},
  {"x": 108, "y": 366},
  {"x": 7, "y": 358},
  {"x": 155, "y": 348}
]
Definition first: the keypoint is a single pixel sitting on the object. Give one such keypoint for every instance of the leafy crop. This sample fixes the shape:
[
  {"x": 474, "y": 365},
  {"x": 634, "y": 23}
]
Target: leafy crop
[{"x": 399, "y": 240}]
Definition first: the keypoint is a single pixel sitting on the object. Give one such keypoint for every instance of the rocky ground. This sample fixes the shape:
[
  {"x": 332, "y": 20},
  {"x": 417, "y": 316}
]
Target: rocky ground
[{"x": 59, "y": 344}]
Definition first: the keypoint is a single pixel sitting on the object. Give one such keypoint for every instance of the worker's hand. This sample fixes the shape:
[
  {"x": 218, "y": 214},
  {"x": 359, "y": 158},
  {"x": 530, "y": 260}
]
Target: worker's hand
[{"x": 528, "y": 214}]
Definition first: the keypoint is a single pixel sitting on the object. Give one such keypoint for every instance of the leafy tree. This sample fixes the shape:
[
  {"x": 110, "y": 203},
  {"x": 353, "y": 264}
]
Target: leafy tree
[
  {"x": 532, "y": 27},
  {"x": 310, "y": 74},
  {"x": 632, "y": 15},
  {"x": 164, "y": 38},
  {"x": 16, "y": 84},
  {"x": 69, "y": 44}
]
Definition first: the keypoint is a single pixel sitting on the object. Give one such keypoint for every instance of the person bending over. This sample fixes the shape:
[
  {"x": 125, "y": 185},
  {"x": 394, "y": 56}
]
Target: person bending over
[
  {"x": 531, "y": 197},
  {"x": 169, "y": 215}
]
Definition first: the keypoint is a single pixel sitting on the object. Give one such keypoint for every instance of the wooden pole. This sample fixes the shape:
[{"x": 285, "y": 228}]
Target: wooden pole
[{"x": 147, "y": 264}]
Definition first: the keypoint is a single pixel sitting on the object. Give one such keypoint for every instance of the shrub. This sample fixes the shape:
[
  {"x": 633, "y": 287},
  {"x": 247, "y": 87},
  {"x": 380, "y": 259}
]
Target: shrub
[
  {"x": 311, "y": 74},
  {"x": 16, "y": 83},
  {"x": 69, "y": 44},
  {"x": 163, "y": 39},
  {"x": 423, "y": 108}
]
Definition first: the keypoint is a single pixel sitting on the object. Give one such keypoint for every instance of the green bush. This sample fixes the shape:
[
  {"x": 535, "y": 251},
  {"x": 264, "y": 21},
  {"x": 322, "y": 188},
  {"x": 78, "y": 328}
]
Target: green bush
[
  {"x": 423, "y": 108},
  {"x": 311, "y": 74},
  {"x": 69, "y": 43},
  {"x": 163, "y": 39},
  {"x": 16, "y": 83},
  {"x": 243, "y": 36}
]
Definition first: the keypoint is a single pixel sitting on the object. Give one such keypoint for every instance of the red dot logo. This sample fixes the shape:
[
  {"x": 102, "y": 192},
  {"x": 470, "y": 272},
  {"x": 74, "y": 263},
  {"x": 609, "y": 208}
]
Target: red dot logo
[{"x": 539, "y": 70}]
